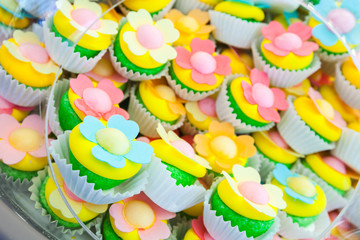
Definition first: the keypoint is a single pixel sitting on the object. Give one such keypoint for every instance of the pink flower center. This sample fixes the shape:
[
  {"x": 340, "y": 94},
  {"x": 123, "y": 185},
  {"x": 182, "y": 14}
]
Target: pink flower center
[
  {"x": 342, "y": 20},
  {"x": 34, "y": 52},
  {"x": 277, "y": 139},
  {"x": 184, "y": 147},
  {"x": 97, "y": 99},
  {"x": 71, "y": 195},
  {"x": 85, "y": 17},
  {"x": 254, "y": 192},
  {"x": 263, "y": 95},
  {"x": 26, "y": 139},
  {"x": 207, "y": 106},
  {"x": 203, "y": 62},
  {"x": 150, "y": 37},
  {"x": 288, "y": 41},
  {"x": 335, "y": 164}
]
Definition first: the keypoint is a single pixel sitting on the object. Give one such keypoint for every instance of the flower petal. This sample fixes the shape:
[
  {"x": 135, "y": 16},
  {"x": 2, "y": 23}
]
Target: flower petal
[
  {"x": 115, "y": 161},
  {"x": 269, "y": 114},
  {"x": 222, "y": 65},
  {"x": 92, "y": 6},
  {"x": 177, "y": 108},
  {"x": 297, "y": 196},
  {"x": 89, "y": 128},
  {"x": 8, "y": 154},
  {"x": 163, "y": 54},
  {"x": 11, "y": 125},
  {"x": 14, "y": 51},
  {"x": 245, "y": 146},
  {"x": 232, "y": 183},
  {"x": 245, "y": 174},
  {"x": 58, "y": 203},
  {"x": 265, "y": 209},
  {"x": 115, "y": 94},
  {"x": 118, "y": 111},
  {"x": 64, "y": 7},
  {"x": 202, "y": 17},
  {"x": 198, "y": 45},
  {"x": 324, "y": 7},
  {"x": 280, "y": 102},
  {"x": 139, "y": 18},
  {"x": 201, "y": 161},
  {"x": 201, "y": 78},
  {"x": 247, "y": 90},
  {"x": 168, "y": 31},
  {"x": 202, "y": 145},
  {"x": 162, "y": 133},
  {"x": 160, "y": 213},
  {"x": 301, "y": 30},
  {"x": 128, "y": 127},
  {"x": 87, "y": 110},
  {"x": 47, "y": 68},
  {"x": 282, "y": 173},
  {"x": 40, "y": 152},
  {"x": 272, "y": 30},
  {"x": 95, "y": 207},
  {"x": 159, "y": 230},
  {"x": 174, "y": 15},
  {"x": 257, "y": 76},
  {"x": 353, "y": 37},
  {"x": 306, "y": 49},
  {"x": 193, "y": 109},
  {"x": 134, "y": 46},
  {"x": 79, "y": 84},
  {"x": 338, "y": 120},
  {"x": 140, "y": 152},
  {"x": 116, "y": 211},
  {"x": 108, "y": 27},
  {"x": 183, "y": 58},
  {"x": 206, "y": 29},
  {"x": 274, "y": 49},
  {"x": 221, "y": 128},
  {"x": 21, "y": 37},
  {"x": 34, "y": 122},
  {"x": 324, "y": 35},
  {"x": 275, "y": 195},
  {"x": 350, "y": 5}
]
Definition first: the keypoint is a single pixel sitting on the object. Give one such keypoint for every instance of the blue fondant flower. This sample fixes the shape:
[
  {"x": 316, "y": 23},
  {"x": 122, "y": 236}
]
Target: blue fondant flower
[
  {"x": 345, "y": 20},
  {"x": 251, "y": 2},
  {"x": 296, "y": 186},
  {"x": 115, "y": 143}
]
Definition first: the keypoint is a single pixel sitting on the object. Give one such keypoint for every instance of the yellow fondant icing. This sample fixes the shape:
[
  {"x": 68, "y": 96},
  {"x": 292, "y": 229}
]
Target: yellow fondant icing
[
  {"x": 112, "y": 15},
  {"x": 150, "y": 6},
  {"x": 239, "y": 66},
  {"x": 191, "y": 235},
  {"x": 19, "y": 115},
  {"x": 8, "y": 19},
  {"x": 210, "y": 2},
  {"x": 30, "y": 163},
  {"x": 351, "y": 73},
  {"x": 354, "y": 126},
  {"x": 196, "y": 210},
  {"x": 241, "y": 10}
]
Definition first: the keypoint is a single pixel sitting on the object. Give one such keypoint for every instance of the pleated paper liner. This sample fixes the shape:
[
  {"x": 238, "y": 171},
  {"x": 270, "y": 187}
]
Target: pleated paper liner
[
  {"x": 5, "y": 33},
  {"x": 185, "y": 6}
]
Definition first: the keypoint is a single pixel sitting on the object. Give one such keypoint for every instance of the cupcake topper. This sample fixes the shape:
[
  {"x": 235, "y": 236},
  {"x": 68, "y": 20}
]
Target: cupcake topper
[
  {"x": 202, "y": 109},
  {"x": 7, "y": 107},
  {"x": 199, "y": 229}
]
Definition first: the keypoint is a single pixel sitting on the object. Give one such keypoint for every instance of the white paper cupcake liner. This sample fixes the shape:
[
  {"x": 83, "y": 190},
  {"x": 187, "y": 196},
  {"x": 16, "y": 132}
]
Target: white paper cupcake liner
[
  {"x": 155, "y": 17},
  {"x": 188, "y": 129},
  {"x": 333, "y": 199},
  {"x": 291, "y": 230},
  {"x": 59, "y": 150},
  {"x": 266, "y": 166},
  {"x": 254, "y": 162},
  {"x": 65, "y": 55},
  {"x": 5, "y": 33},
  {"x": 347, "y": 148},
  {"x": 347, "y": 92},
  {"x": 221, "y": 230},
  {"x": 352, "y": 214},
  {"x": 298, "y": 134},
  {"x": 279, "y": 77},
  {"x": 61, "y": 86},
  {"x": 39, "y": 9},
  {"x": 325, "y": 56},
  {"x": 53, "y": 225},
  {"x": 186, "y": 94},
  {"x": 163, "y": 191},
  {"x": 185, "y": 6},
  {"x": 225, "y": 113},
  {"x": 16, "y": 183},
  {"x": 146, "y": 121},
  {"x": 18, "y": 93}
]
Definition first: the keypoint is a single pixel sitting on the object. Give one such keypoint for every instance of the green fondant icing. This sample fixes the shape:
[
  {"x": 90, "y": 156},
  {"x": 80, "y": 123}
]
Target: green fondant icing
[
  {"x": 68, "y": 118},
  {"x": 107, "y": 230},
  {"x": 17, "y": 174},
  {"x": 303, "y": 221},
  {"x": 182, "y": 178}
]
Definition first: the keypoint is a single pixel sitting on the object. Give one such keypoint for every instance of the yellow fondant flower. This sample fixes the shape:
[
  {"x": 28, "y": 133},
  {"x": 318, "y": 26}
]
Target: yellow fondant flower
[
  {"x": 264, "y": 198},
  {"x": 151, "y": 37},
  {"x": 190, "y": 26},
  {"x": 222, "y": 148}
]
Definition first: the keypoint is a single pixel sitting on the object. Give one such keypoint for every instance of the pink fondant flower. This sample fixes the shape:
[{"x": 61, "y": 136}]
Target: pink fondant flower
[
  {"x": 203, "y": 61},
  {"x": 141, "y": 214},
  {"x": 97, "y": 101},
  {"x": 326, "y": 109},
  {"x": 269, "y": 100},
  {"x": 199, "y": 229},
  {"x": 7, "y": 107},
  {"x": 291, "y": 41},
  {"x": 17, "y": 140}
]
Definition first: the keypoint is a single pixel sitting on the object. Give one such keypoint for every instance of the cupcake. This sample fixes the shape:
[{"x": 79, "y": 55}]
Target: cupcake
[
  {"x": 154, "y": 102},
  {"x": 174, "y": 173},
  {"x": 197, "y": 72},
  {"x": 241, "y": 61},
  {"x": 240, "y": 15},
  {"x": 28, "y": 87},
  {"x": 65, "y": 28},
  {"x": 192, "y": 25},
  {"x": 142, "y": 47},
  {"x": 19, "y": 113},
  {"x": 136, "y": 217},
  {"x": 241, "y": 207},
  {"x": 286, "y": 55},
  {"x": 222, "y": 148},
  {"x": 22, "y": 147},
  {"x": 156, "y": 9},
  {"x": 185, "y": 6},
  {"x": 249, "y": 103},
  {"x": 197, "y": 230},
  {"x": 298, "y": 90},
  {"x": 304, "y": 215},
  {"x": 88, "y": 98},
  {"x": 311, "y": 124},
  {"x": 38, "y": 9}
]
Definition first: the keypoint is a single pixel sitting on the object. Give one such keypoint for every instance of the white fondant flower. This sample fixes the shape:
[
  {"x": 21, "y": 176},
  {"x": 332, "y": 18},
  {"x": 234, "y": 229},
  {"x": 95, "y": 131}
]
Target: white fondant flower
[{"x": 155, "y": 38}]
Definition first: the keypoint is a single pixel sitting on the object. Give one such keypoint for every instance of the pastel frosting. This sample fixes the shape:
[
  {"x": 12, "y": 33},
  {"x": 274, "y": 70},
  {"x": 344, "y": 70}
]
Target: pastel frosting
[
  {"x": 350, "y": 72},
  {"x": 18, "y": 112},
  {"x": 288, "y": 49},
  {"x": 11, "y": 16},
  {"x": 201, "y": 113},
  {"x": 241, "y": 9},
  {"x": 151, "y": 7},
  {"x": 198, "y": 230},
  {"x": 240, "y": 63},
  {"x": 222, "y": 148},
  {"x": 138, "y": 218},
  {"x": 199, "y": 67},
  {"x": 25, "y": 51},
  {"x": 72, "y": 20},
  {"x": 192, "y": 25}
]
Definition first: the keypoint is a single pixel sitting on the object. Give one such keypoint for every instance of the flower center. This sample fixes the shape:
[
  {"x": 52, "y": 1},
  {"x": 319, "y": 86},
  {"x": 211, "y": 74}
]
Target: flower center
[
  {"x": 139, "y": 214},
  {"x": 301, "y": 185},
  {"x": 254, "y": 192},
  {"x": 150, "y": 37},
  {"x": 207, "y": 106},
  {"x": 224, "y": 147},
  {"x": 97, "y": 99},
  {"x": 166, "y": 93},
  {"x": 85, "y": 17},
  {"x": 187, "y": 24},
  {"x": 277, "y": 139},
  {"x": 342, "y": 20},
  {"x": 113, "y": 141},
  {"x": 184, "y": 147},
  {"x": 203, "y": 62},
  {"x": 288, "y": 41},
  {"x": 325, "y": 108},
  {"x": 263, "y": 95},
  {"x": 26, "y": 139},
  {"x": 34, "y": 52},
  {"x": 71, "y": 195},
  {"x": 335, "y": 164},
  {"x": 103, "y": 68}
]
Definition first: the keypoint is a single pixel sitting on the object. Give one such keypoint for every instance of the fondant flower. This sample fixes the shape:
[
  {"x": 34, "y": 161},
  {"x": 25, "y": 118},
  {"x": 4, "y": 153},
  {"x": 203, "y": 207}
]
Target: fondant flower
[
  {"x": 139, "y": 213},
  {"x": 268, "y": 100},
  {"x": 26, "y": 47},
  {"x": 115, "y": 143},
  {"x": 345, "y": 19},
  {"x": 150, "y": 37},
  {"x": 222, "y": 148},
  {"x": 203, "y": 61},
  {"x": 293, "y": 40},
  {"x": 8, "y": 107},
  {"x": 264, "y": 198},
  {"x": 296, "y": 186},
  {"x": 191, "y": 25},
  {"x": 202, "y": 109},
  {"x": 76, "y": 203},
  {"x": 181, "y": 145},
  {"x": 83, "y": 14},
  {"x": 99, "y": 101},
  {"x": 17, "y": 140},
  {"x": 199, "y": 229},
  {"x": 326, "y": 109}
]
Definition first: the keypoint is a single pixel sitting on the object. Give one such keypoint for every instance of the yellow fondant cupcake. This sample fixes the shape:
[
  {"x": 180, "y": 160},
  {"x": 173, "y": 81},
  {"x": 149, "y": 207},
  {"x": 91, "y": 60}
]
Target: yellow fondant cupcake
[{"x": 241, "y": 62}]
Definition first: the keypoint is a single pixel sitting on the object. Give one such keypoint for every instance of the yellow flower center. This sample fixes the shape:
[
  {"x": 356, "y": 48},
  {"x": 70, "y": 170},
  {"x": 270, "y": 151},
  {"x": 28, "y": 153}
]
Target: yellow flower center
[
  {"x": 326, "y": 109},
  {"x": 26, "y": 139},
  {"x": 113, "y": 141},
  {"x": 187, "y": 24},
  {"x": 139, "y": 214},
  {"x": 224, "y": 147},
  {"x": 166, "y": 93},
  {"x": 103, "y": 68},
  {"x": 302, "y": 186}
]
